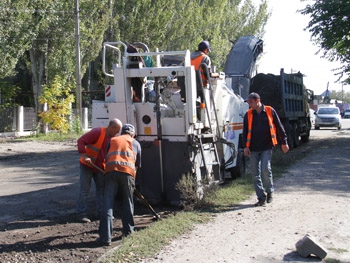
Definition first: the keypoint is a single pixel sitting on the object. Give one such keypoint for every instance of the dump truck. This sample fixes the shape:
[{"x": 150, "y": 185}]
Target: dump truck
[{"x": 287, "y": 94}]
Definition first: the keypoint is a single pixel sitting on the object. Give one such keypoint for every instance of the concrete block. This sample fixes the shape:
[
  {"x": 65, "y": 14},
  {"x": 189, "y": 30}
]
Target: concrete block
[{"x": 308, "y": 246}]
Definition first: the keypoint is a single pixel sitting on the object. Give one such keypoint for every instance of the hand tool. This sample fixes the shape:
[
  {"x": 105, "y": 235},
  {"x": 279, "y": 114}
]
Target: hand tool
[{"x": 137, "y": 192}]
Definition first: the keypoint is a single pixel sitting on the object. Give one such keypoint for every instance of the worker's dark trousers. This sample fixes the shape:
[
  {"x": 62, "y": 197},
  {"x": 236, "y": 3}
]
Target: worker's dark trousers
[
  {"x": 85, "y": 180},
  {"x": 260, "y": 165},
  {"x": 122, "y": 183}
]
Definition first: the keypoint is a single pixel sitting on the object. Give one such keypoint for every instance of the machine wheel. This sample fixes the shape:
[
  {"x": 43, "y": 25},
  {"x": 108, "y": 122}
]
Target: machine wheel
[
  {"x": 295, "y": 135},
  {"x": 239, "y": 169}
]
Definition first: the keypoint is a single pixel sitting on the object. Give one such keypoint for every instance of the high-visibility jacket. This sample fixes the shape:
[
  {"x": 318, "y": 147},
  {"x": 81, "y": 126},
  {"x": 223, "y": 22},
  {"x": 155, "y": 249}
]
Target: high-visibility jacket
[
  {"x": 92, "y": 150},
  {"x": 196, "y": 62},
  {"x": 120, "y": 156},
  {"x": 268, "y": 111}
]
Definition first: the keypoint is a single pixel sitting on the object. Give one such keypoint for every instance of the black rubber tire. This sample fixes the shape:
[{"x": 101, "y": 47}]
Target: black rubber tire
[
  {"x": 295, "y": 135},
  {"x": 288, "y": 129},
  {"x": 305, "y": 138}
]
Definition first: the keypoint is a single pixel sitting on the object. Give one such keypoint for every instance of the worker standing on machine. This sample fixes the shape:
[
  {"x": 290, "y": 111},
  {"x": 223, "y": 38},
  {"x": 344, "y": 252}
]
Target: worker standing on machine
[
  {"x": 198, "y": 57},
  {"x": 201, "y": 56},
  {"x": 122, "y": 161}
]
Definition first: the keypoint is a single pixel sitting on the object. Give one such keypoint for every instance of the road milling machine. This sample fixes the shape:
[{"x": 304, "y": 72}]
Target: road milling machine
[{"x": 179, "y": 133}]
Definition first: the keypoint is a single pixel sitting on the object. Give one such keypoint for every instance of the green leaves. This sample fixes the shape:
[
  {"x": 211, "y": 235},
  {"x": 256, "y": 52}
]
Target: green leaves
[
  {"x": 42, "y": 32},
  {"x": 181, "y": 25},
  {"x": 59, "y": 101},
  {"x": 330, "y": 28}
]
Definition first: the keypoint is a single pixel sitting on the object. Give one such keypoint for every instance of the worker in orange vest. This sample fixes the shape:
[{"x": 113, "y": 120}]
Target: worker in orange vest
[
  {"x": 122, "y": 161},
  {"x": 198, "y": 57},
  {"x": 92, "y": 147},
  {"x": 262, "y": 131}
]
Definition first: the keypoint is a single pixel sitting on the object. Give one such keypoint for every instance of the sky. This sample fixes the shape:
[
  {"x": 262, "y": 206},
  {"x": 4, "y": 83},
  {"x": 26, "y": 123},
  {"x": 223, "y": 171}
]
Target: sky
[{"x": 288, "y": 46}]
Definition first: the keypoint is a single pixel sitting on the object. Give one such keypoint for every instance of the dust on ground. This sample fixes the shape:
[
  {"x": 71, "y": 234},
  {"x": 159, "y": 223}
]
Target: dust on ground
[
  {"x": 311, "y": 198},
  {"x": 39, "y": 187}
]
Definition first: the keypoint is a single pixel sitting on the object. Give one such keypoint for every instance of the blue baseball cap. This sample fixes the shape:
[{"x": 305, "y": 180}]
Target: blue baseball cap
[
  {"x": 252, "y": 95},
  {"x": 128, "y": 129},
  {"x": 204, "y": 45}
]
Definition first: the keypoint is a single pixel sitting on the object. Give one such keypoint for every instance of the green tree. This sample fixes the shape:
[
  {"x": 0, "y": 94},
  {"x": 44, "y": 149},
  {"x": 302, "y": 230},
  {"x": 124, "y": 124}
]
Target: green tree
[
  {"x": 341, "y": 96},
  {"x": 8, "y": 92},
  {"x": 59, "y": 100},
  {"x": 330, "y": 28},
  {"x": 42, "y": 33},
  {"x": 181, "y": 25},
  {"x": 15, "y": 31}
]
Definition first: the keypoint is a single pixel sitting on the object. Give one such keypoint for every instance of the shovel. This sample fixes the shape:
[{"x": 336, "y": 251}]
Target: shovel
[{"x": 137, "y": 192}]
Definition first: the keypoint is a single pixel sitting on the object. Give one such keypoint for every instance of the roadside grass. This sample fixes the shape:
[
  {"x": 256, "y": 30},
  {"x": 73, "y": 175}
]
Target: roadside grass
[
  {"x": 48, "y": 137},
  {"x": 146, "y": 243},
  {"x": 331, "y": 260}
]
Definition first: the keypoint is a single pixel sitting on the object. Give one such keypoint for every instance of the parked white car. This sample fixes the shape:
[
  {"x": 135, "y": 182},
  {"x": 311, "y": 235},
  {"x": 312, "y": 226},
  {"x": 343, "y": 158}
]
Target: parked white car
[
  {"x": 346, "y": 114},
  {"x": 328, "y": 117}
]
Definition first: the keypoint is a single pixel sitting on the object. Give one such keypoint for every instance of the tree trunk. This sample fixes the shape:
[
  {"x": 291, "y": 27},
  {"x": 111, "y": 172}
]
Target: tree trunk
[{"x": 37, "y": 62}]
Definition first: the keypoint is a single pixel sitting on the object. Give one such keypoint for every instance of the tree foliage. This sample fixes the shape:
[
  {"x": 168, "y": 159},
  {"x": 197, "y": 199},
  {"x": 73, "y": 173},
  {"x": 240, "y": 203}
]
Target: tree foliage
[
  {"x": 330, "y": 28},
  {"x": 41, "y": 33},
  {"x": 59, "y": 100},
  {"x": 341, "y": 96},
  {"x": 8, "y": 92},
  {"x": 181, "y": 25},
  {"x": 15, "y": 31}
]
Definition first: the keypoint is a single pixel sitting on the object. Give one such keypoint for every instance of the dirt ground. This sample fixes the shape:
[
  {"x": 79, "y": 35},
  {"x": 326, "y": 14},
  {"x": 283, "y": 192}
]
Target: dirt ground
[
  {"x": 39, "y": 187},
  {"x": 311, "y": 198},
  {"x": 38, "y": 192}
]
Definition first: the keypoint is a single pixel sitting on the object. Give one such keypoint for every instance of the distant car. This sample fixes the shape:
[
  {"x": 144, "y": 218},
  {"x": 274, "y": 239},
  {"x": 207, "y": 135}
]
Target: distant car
[
  {"x": 346, "y": 114},
  {"x": 328, "y": 117}
]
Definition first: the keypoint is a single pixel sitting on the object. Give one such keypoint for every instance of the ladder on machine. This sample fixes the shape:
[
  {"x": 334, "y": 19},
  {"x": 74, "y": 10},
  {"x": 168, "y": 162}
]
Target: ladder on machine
[
  {"x": 207, "y": 141},
  {"x": 209, "y": 155}
]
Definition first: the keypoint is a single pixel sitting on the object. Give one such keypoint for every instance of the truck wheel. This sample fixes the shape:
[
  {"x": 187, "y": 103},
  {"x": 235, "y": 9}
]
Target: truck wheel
[
  {"x": 305, "y": 137},
  {"x": 295, "y": 134},
  {"x": 288, "y": 129}
]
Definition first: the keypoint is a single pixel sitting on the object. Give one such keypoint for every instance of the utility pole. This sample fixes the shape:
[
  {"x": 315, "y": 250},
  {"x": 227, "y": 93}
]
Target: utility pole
[{"x": 77, "y": 55}]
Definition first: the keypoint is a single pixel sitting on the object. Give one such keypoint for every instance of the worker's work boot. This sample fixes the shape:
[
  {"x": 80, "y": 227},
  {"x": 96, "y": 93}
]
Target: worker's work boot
[
  {"x": 261, "y": 202},
  {"x": 269, "y": 198}
]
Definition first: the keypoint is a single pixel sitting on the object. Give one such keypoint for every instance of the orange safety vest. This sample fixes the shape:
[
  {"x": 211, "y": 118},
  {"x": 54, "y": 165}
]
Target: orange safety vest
[
  {"x": 120, "y": 156},
  {"x": 271, "y": 125},
  {"x": 92, "y": 150},
  {"x": 196, "y": 62}
]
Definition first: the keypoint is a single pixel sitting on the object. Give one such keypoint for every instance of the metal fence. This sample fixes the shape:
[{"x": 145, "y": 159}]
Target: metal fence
[{"x": 9, "y": 119}]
